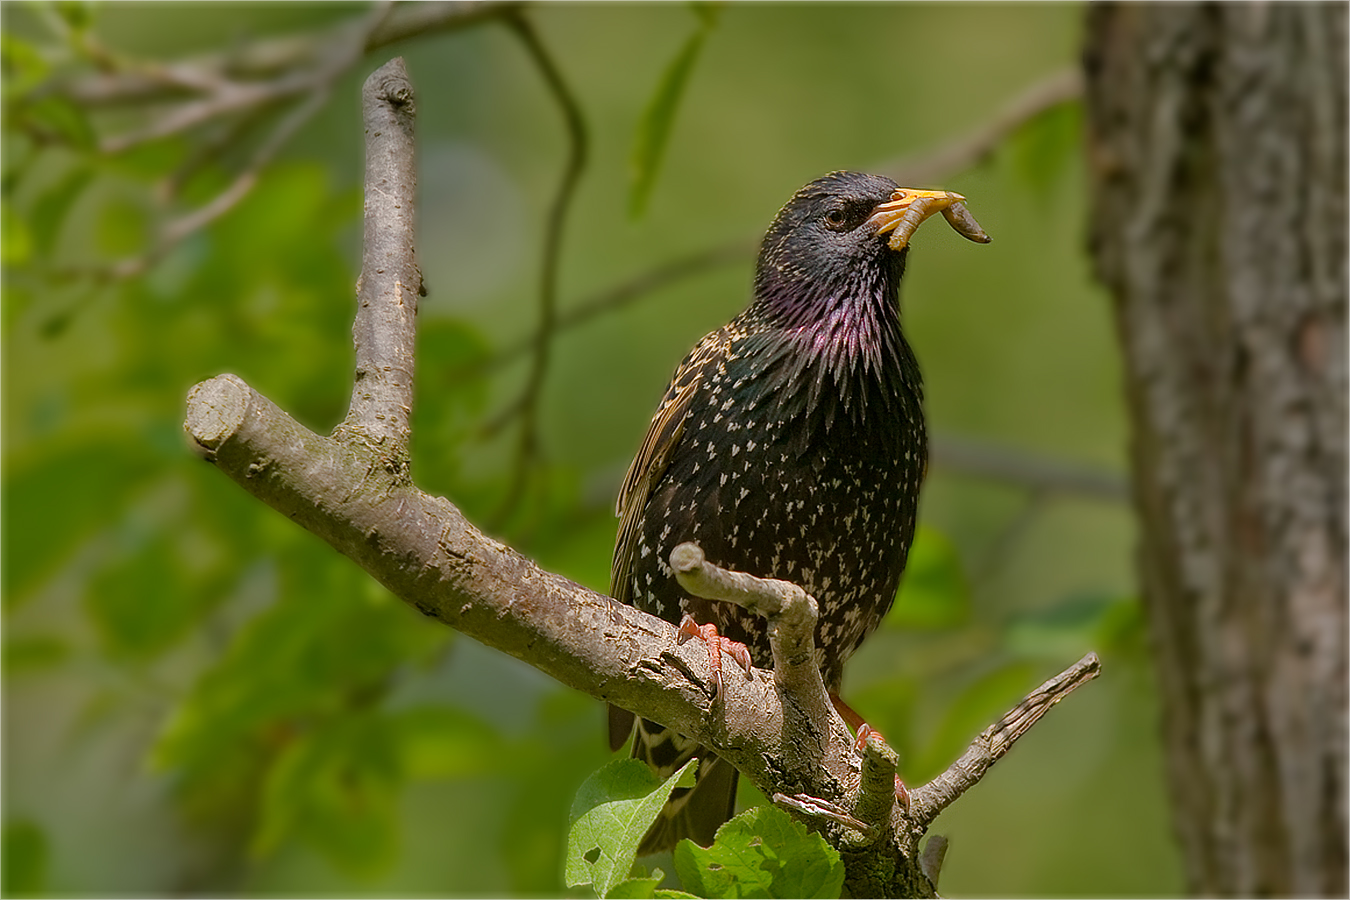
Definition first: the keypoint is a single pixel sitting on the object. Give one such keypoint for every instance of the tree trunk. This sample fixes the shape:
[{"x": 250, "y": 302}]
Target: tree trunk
[{"x": 1217, "y": 152}]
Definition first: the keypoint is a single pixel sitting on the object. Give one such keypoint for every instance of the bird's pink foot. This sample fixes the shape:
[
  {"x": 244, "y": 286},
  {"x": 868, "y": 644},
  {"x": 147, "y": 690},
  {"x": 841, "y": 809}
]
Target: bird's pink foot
[
  {"x": 717, "y": 645},
  {"x": 865, "y": 731}
]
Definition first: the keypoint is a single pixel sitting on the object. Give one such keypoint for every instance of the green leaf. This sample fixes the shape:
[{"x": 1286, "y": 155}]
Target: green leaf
[
  {"x": 761, "y": 853},
  {"x": 123, "y": 227},
  {"x": 1122, "y": 629},
  {"x": 636, "y": 888},
  {"x": 611, "y": 813},
  {"x": 296, "y": 658},
  {"x": 78, "y": 14},
  {"x": 1066, "y": 630},
  {"x": 25, "y": 855},
  {"x": 23, "y": 65},
  {"x": 445, "y": 742},
  {"x": 50, "y": 210},
  {"x": 654, "y": 127},
  {"x": 142, "y": 602},
  {"x": 336, "y": 788},
  {"x": 16, "y": 238},
  {"x": 934, "y": 592},
  {"x": 56, "y": 118},
  {"x": 65, "y": 494}
]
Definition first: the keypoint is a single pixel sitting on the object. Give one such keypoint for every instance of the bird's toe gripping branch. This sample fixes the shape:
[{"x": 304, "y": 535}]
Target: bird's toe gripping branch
[
  {"x": 717, "y": 645},
  {"x": 792, "y": 615}
]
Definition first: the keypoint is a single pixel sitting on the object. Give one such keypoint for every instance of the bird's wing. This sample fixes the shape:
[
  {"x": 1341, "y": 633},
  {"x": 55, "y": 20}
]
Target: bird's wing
[{"x": 663, "y": 436}]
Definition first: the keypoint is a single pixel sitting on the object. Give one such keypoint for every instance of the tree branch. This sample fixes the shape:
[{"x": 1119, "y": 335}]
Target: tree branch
[
  {"x": 1036, "y": 472},
  {"x": 996, "y": 740},
  {"x": 390, "y": 282},
  {"x": 352, "y": 489}
]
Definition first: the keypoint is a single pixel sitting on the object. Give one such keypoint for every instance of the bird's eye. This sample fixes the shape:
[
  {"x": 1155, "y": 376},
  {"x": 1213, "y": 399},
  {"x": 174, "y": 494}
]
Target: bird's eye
[{"x": 836, "y": 218}]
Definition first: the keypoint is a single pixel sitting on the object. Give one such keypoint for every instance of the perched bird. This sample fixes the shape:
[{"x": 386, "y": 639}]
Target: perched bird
[{"x": 790, "y": 444}]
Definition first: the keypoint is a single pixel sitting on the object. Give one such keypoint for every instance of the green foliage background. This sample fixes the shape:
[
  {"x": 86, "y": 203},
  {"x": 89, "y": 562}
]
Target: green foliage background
[{"x": 201, "y": 698}]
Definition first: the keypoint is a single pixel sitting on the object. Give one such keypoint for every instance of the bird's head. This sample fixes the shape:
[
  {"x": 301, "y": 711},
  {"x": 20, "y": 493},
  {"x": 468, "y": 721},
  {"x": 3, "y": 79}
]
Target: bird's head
[{"x": 846, "y": 234}]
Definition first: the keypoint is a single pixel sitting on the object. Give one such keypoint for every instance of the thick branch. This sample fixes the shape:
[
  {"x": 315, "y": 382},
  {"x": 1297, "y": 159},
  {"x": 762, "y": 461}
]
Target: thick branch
[
  {"x": 390, "y": 281},
  {"x": 426, "y": 553}
]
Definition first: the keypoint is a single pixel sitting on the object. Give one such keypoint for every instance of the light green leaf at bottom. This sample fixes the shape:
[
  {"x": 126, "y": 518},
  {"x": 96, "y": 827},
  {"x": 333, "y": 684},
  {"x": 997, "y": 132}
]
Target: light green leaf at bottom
[{"x": 611, "y": 813}]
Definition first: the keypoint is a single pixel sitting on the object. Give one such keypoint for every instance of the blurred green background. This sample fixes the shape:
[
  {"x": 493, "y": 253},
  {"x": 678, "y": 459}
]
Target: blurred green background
[{"x": 200, "y": 698}]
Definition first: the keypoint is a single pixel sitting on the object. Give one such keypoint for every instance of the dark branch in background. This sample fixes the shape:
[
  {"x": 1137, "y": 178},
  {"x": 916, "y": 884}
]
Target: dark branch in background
[
  {"x": 353, "y": 490},
  {"x": 616, "y": 297},
  {"x": 1037, "y": 473},
  {"x": 527, "y": 406}
]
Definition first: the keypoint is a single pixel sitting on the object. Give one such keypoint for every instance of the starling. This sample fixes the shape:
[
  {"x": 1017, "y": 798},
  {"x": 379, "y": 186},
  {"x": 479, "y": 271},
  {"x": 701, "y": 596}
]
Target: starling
[{"x": 790, "y": 444}]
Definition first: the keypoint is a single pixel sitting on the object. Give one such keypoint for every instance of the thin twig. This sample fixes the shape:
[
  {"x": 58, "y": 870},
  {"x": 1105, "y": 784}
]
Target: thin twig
[
  {"x": 318, "y": 87},
  {"x": 124, "y": 81},
  {"x": 1042, "y": 474},
  {"x": 527, "y": 449},
  {"x": 792, "y": 615},
  {"x": 877, "y": 785},
  {"x": 816, "y": 808},
  {"x": 618, "y": 296},
  {"x": 179, "y": 229},
  {"x": 996, "y": 740},
  {"x": 386, "y": 311}
]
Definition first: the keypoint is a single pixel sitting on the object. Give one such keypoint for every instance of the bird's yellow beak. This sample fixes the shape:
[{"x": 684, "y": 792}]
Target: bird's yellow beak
[{"x": 908, "y": 207}]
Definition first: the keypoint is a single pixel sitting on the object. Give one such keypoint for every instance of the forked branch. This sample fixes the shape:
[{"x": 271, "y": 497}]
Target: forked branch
[{"x": 353, "y": 489}]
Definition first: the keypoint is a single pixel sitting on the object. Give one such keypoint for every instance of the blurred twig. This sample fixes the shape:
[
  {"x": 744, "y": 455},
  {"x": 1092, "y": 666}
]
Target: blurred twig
[
  {"x": 1039, "y": 473},
  {"x": 527, "y": 405},
  {"x": 217, "y": 89},
  {"x": 975, "y": 146},
  {"x": 122, "y": 81},
  {"x": 617, "y": 296}
]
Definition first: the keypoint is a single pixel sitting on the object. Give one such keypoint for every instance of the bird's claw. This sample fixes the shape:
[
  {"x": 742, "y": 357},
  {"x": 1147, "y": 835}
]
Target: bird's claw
[
  {"x": 865, "y": 732},
  {"x": 717, "y": 645}
]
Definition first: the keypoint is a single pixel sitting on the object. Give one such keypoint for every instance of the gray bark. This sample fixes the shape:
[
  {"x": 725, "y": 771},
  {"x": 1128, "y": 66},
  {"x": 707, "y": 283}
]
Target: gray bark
[{"x": 1217, "y": 160}]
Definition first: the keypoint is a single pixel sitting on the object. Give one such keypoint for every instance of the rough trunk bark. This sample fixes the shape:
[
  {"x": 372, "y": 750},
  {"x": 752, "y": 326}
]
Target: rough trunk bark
[{"x": 1217, "y": 151}]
